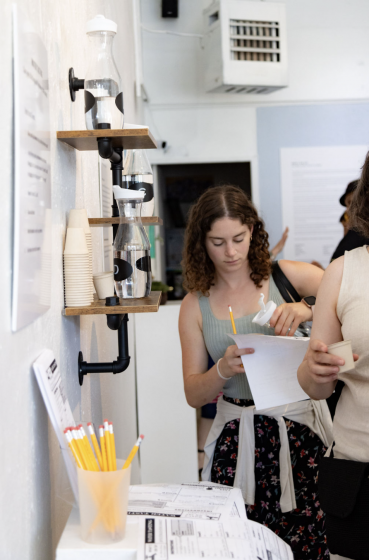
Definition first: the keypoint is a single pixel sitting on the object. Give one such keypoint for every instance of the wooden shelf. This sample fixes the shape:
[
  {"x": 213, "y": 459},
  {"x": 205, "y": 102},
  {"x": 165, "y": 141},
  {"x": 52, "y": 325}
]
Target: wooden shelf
[
  {"x": 149, "y": 304},
  {"x": 103, "y": 222},
  {"x": 127, "y": 138}
]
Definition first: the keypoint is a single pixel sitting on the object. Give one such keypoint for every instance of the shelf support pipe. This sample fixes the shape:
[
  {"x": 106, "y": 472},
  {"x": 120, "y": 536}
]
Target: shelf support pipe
[{"x": 115, "y": 322}]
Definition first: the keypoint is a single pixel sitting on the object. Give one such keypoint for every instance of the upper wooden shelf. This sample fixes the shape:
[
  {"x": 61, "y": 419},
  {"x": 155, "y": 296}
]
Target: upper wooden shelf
[
  {"x": 148, "y": 304},
  {"x": 103, "y": 222},
  {"x": 127, "y": 138}
]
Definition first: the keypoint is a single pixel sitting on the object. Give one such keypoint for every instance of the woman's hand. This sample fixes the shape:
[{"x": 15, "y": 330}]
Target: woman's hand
[
  {"x": 231, "y": 363},
  {"x": 289, "y": 315},
  {"x": 321, "y": 366}
]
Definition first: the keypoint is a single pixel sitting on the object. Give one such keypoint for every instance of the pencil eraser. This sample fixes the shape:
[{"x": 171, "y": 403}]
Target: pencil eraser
[
  {"x": 141, "y": 436},
  {"x": 89, "y": 423},
  {"x": 101, "y": 426},
  {"x": 110, "y": 423},
  {"x": 105, "y": 420}
]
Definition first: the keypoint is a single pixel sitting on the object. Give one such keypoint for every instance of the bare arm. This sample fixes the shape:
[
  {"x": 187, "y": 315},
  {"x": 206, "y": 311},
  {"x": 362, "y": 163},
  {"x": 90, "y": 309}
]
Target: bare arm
[
  {"x": 318, "y": 372},
  {"x": 202, "y": 385}
]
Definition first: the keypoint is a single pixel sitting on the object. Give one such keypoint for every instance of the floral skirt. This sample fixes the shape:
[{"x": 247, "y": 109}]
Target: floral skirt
[{"x": 303, "y": 528}]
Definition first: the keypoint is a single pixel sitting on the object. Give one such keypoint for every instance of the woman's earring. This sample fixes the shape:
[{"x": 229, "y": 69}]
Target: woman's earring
[{"x": 251, "y": 238}]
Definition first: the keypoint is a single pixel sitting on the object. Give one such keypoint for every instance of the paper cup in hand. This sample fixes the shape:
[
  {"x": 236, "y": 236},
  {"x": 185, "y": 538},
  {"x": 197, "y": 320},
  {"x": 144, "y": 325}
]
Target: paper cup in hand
[
  {"x": 343, "y": 350},
  {"x": 75, "y": 243},
  {"x": 104, "y": 284}
]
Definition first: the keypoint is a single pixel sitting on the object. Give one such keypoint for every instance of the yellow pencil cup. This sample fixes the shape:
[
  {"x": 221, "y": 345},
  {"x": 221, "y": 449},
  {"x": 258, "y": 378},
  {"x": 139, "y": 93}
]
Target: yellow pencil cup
[{"x": 103, "y": 503}]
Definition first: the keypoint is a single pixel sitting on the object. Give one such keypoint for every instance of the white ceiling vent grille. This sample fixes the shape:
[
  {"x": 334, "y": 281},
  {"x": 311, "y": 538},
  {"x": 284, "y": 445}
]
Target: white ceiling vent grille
[
  {"x": 254, "y": 40},
  {"x": 245, "y": 47}
]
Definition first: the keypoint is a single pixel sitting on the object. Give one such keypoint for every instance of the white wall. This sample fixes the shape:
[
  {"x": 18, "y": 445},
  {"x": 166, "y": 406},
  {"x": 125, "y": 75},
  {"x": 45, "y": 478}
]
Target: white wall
[
  {"x": 34, "y": 498},
  {"x": 328, "y": 50}
]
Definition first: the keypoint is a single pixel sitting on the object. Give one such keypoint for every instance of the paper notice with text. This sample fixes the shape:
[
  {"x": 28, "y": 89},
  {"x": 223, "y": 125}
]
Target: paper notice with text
[{"x": 312, "y": 182}]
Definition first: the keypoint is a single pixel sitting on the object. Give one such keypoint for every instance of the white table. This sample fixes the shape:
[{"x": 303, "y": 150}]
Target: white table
[{"x": 72, "y": 547}]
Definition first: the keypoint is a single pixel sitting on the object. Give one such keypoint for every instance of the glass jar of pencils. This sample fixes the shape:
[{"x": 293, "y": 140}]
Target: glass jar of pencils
[{"x": 103, "y": 503}]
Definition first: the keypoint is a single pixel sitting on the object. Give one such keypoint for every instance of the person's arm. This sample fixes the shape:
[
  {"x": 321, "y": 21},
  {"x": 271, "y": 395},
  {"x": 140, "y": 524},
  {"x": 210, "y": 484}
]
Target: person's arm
[
  {"x": 280, "y": 245},
  {"x": 305, "y": 278},
  {"x": 318, "y": 372},
  {"x": 202, "y": 385}
]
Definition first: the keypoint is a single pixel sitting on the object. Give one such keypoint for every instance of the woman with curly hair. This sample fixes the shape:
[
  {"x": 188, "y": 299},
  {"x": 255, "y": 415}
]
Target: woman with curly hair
[{"x": 271, "y": 455}]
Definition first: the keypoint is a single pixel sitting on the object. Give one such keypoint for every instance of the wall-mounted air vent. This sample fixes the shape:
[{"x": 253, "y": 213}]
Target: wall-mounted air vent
[
  {"x": 254, "y": 40},
  {"x": 245, "y": 47}
]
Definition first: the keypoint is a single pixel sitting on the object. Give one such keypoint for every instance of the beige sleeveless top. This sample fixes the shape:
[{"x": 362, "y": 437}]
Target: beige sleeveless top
[{"x": 351, "y": 422}]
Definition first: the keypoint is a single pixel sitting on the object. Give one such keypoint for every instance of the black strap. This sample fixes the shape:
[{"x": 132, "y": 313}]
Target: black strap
[{"x": 288, "y": 292}]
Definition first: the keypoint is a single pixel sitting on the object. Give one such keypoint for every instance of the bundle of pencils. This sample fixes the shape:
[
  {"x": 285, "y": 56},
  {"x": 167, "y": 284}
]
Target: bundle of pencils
[
  {"x": 100, "y": 493},
  {"x": 104, "y": 458}
]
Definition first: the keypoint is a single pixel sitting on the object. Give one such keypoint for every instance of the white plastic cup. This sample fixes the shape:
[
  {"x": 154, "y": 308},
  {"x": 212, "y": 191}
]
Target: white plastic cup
[
  {"x": 75, "y": 242},
  {"x": 103, "y": 504},
  {"x": 343, "y": 350},
  {"x": 79, "y": 219},
  {"x": 104, "y": 284}
]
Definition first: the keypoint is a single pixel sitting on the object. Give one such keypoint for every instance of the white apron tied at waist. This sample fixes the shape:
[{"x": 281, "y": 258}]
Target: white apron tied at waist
[{"x": 313, "y": 414}]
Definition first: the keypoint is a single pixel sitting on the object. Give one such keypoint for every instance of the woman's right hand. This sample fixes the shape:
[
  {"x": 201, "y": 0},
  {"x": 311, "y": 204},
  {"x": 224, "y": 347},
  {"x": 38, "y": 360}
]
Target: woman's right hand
[
  {"x": 231, "y": 363},
  {"x": 323, "y": 367}
]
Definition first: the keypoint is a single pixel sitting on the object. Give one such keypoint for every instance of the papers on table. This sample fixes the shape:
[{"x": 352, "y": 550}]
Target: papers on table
[
  {"x": 57, "y": 405},
  {"x": 184, "y": 539},
  {"x": 272, "y": 370},
  {"x": 192, "y": 501}
]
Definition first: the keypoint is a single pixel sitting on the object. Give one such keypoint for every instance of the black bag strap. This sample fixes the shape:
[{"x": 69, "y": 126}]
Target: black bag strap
[{"x": 285, "y": 287}]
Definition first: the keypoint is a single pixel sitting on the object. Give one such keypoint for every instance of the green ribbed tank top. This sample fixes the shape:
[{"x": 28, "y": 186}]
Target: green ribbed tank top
[{"x": 217, "y": 341}]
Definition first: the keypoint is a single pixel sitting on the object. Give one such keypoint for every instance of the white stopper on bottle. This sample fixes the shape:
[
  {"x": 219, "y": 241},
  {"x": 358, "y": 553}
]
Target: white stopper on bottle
[
  {"x": 266, "y": 312},
  {"x": 127, "y": 194}
]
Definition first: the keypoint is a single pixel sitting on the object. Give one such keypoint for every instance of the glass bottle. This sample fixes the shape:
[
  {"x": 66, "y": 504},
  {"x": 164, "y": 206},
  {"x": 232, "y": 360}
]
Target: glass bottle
[
  {"x": 103, "y": 96},
  {"x": 137, "y": 175},
  {"x": 132, "y": 261}
]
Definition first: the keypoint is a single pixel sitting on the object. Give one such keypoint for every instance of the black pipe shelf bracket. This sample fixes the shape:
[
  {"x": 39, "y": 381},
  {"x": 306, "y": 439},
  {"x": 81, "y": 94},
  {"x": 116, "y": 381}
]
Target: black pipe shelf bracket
[
  {"x": 116, "y": 323},
  {"x": 74, "y": 84}
]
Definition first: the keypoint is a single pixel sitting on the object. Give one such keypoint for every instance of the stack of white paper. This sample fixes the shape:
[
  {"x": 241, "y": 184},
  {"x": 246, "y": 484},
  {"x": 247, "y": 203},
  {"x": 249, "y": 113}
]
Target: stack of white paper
[
  {"x": 186, "y": 539},
  {"x": 272, "y": 370},
  {"x": 199, "y": 500},
  {"x": 57, "y": 405}
]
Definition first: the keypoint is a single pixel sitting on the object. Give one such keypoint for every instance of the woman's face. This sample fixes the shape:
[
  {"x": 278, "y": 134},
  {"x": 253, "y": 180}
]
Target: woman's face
[{"x": 227, "y": 244}]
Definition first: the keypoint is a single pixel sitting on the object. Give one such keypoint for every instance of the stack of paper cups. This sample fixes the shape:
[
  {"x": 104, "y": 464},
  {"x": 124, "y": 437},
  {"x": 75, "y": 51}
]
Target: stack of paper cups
[
  {"x": 79, "y": 219},
  {"x": 77, "y": 276}
]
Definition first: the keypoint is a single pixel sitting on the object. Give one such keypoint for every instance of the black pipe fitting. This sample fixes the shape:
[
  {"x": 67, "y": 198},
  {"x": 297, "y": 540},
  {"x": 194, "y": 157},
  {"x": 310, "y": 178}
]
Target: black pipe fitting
[
  {"x": 74, "y": 84},
  {"x": 115, "y": 322}
]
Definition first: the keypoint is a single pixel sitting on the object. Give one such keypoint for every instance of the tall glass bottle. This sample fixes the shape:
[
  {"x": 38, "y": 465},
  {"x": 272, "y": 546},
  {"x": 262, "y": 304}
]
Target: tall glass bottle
[
  {"x": 137, "y": 175},
  {"x": 103, "y": 95},
  {"x": 132, "y": 262}
]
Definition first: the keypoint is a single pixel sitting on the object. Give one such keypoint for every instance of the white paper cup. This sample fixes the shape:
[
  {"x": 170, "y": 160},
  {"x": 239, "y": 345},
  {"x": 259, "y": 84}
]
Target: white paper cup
[
  {"x": 343, "y": 350},
  {"x": 104, "y": 284},
  {"x": 79, "y": 219},
  {"x": 75, "y": 243}
]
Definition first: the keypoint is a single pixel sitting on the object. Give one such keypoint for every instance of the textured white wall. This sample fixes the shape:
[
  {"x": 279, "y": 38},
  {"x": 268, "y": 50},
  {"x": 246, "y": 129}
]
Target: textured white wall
[
  {"x": 33, "y": 497},
  {"x": 328, "y": 57}
]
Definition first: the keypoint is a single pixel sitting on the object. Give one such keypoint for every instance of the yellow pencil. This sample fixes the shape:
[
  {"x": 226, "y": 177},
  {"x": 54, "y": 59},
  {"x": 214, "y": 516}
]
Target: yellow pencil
[
  {"x": 89, "y": 452},
  {"x": 95, "y": 444},
  {"x": 105, "y": 505},
  {"x": 75, "y": 434},
  {"x": 233, "y": 325},
  {"x": 73, "y": 447},
  {"x": 112, "y": 442},
  {"x": 103, "y": 449},
  {"x": 108, "y": 445},
  {"x": 133, "y": 452}
]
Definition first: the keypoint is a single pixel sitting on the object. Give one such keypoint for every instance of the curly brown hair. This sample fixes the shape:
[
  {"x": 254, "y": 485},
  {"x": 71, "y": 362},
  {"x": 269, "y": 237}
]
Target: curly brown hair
[
  {"x": 215, "y": 203},
  {"x": 359, "y": 209}
]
